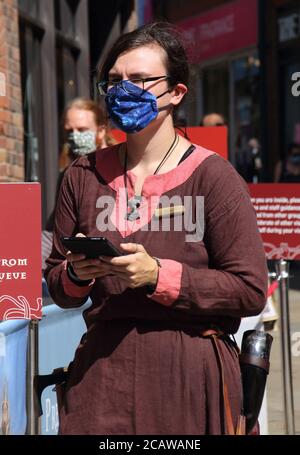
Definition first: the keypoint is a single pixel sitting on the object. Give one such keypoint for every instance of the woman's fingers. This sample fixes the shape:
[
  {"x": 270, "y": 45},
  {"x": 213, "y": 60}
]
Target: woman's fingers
[
  {"x": 89, "y": 273},
  {"x": 134, "y": 269},
  {"x": 90, "y": 263},
  {"x": 92, "y": 276},
  {"x": 71, "y": 257},
  {"x": 132, "y": 248}
]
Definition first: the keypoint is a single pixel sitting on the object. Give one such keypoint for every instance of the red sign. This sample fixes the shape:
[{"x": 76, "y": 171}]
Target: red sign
[
  {"x": 278, "y": 216},
  {"x": 213, "y": 138},
  {"x": 226, "y": 29},
  {"x": 20, "y": 251}
]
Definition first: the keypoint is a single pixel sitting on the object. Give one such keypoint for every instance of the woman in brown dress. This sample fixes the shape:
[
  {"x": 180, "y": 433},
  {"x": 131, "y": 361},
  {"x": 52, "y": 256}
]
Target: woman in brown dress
[{"x": 194, "y": 260}]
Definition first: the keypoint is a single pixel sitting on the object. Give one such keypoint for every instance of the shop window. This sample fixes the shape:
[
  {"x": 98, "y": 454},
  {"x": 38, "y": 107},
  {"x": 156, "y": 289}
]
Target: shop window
[
  {"x": 216, "y": 90},
  {"x": 67, "y": 52},
  {"x": 31, "y": 99},
  {"x": 291, "y": 102},
  {"x": 231, "y": 88},
  {"x": 66, "y": 62},
  {"x": 30, "y": 7},
  {"x": 65, "y": 11},
  {"x": 246, "y": 121},
  {"x": 246, "y": 80}
]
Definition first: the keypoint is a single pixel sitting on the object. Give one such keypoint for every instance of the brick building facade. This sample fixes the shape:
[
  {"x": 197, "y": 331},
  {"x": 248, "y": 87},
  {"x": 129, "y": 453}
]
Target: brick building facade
[
  {"x": 45, "y": 62},
  {"x": 11, "y": 122},
  {"x": 49, "y": 50}
]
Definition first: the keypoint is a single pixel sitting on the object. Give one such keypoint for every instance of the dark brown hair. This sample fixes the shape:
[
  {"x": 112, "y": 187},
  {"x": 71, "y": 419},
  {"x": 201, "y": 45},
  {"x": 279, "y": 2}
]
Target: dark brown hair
[{"x": 164, "y": 35}]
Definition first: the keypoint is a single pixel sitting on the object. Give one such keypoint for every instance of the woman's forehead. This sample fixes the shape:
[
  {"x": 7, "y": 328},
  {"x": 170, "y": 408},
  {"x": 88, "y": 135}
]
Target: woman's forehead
[
  {"x": 79, "y": 117},
  {"x": 144, "y": 59}
]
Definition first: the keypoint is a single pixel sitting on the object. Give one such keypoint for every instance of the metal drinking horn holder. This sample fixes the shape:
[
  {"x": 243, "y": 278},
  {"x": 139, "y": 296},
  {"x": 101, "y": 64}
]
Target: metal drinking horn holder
[{"x": 254, "y": 362}]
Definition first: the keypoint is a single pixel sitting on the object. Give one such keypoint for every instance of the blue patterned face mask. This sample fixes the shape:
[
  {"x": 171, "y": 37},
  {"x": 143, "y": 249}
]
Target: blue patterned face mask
[{"x": 131, "y": 109}]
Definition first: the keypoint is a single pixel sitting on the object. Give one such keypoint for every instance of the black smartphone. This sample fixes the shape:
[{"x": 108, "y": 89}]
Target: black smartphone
[{"x": 92, "y": 247}]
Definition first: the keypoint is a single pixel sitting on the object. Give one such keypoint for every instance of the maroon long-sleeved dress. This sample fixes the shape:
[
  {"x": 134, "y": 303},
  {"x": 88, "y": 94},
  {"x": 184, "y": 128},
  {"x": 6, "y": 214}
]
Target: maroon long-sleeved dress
[{"x": 142, "y": 367}]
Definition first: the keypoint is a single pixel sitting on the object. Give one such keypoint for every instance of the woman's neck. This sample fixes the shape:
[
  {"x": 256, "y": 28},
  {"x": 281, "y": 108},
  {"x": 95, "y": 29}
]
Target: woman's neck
[{"x": 149, "y": 147}]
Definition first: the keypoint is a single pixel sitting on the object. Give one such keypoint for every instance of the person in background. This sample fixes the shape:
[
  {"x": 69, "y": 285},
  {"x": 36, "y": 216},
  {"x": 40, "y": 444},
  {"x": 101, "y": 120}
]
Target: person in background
[
  {"x": 157, "y": 357},
  {"x": 288, "y": 171},
  {"x": 248, "y": 161},
  {"x": 85, "y": 130},
  {"x": 213, "y": 119}
]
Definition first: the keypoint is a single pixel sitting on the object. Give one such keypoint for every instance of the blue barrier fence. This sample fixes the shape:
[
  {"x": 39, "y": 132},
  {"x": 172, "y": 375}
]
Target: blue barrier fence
[
  {"x": 59, "y": 334},
  {"x": 13, "y": 350}
]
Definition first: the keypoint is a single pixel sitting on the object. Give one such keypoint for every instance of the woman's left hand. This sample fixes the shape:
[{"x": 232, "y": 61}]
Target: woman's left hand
[{"x": 137, "y": 268}]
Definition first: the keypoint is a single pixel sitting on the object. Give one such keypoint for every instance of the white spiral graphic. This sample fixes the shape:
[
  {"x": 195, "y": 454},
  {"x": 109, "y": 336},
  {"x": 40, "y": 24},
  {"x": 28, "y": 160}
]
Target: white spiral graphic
[{"x": 21, "y": 308}]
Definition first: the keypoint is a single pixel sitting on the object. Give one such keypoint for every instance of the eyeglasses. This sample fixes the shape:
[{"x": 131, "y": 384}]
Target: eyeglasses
[{"x": 105, "y": 86}]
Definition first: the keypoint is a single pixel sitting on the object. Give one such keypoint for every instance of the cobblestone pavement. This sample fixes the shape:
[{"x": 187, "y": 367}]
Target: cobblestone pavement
[{"x": 276, "y": 415}]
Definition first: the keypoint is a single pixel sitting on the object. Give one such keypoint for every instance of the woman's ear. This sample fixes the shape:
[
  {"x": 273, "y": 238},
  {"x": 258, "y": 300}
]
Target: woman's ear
[{"x": 178, "y": 93}]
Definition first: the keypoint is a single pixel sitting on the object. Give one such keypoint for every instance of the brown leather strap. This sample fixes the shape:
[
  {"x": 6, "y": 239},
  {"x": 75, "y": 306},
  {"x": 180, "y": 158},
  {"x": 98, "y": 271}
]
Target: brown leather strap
[
  {"x": 241, "y": 426},
  {"x": 227, "y": 408},
  {"x": 241, "y": 423},
  {"x": 255, "y": 360},
  {"x": 210, "y": 332}
]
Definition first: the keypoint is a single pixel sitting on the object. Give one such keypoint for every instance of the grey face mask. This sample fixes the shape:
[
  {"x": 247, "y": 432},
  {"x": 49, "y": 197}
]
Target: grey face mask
[{"x": 82, "y": 142}]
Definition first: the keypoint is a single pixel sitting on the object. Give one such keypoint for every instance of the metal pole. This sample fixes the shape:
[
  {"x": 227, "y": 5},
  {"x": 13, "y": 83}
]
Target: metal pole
[
  {"x": 32, "y": 370},
  {"x": 282, "y": 268}
]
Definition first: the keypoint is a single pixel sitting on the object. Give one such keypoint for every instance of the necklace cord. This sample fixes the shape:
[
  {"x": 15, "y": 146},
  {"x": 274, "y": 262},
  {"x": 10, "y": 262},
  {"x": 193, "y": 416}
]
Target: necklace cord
[
  {"x": 169, "y": 152},
  {"x": 164, "y": 159}
]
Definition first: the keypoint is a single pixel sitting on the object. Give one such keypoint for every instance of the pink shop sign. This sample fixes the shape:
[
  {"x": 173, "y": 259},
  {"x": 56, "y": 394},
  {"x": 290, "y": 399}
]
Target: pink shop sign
[{"x": 222, "y": 30}]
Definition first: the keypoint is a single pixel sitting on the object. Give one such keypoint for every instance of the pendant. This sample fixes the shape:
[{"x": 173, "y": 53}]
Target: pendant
[{"x": 133, "y": 205}]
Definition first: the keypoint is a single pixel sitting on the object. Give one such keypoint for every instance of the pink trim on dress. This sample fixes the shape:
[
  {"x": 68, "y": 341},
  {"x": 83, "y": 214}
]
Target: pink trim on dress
[
  {"x": 109, "y": 166},
  {"x": 70, "y": 288},
  {"x": 169, "y": 282}
]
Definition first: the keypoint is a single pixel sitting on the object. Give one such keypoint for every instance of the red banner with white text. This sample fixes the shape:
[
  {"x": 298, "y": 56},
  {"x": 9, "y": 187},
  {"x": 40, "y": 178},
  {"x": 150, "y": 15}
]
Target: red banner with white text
[
  {"x": 20, "y": 251},
  {"x": 278, "y": 216}
]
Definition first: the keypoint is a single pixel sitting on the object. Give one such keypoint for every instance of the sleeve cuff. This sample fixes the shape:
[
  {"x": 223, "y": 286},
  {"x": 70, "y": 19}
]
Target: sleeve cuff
[
  {"x": 168, "y": 283},
  {"x": 70, "y": 288}
]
